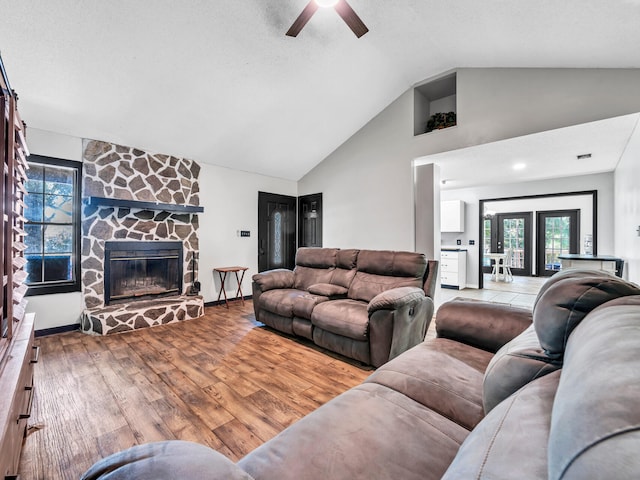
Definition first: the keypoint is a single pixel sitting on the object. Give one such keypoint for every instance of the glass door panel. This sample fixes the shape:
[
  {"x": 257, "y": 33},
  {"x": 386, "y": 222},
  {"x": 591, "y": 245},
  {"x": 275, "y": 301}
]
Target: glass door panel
[{"x": 557, "y": 235}]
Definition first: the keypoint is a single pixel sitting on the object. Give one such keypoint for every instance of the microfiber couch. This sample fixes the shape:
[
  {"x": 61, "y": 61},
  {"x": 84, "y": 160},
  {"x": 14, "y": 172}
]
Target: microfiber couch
[
  {"x": 368, "y": 305},
  {"x": 502, "y": 393}
]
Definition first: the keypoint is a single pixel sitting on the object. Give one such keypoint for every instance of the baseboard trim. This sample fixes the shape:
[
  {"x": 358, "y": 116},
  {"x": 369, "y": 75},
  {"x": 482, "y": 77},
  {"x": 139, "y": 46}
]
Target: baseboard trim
[
  {"x": 52, "y": 331},
  {"x": 221, "y": 302}
]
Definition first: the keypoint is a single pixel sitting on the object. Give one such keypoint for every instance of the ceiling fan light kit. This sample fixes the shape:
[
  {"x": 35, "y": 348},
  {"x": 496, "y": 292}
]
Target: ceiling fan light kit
[{"x": 343, "y": 9}]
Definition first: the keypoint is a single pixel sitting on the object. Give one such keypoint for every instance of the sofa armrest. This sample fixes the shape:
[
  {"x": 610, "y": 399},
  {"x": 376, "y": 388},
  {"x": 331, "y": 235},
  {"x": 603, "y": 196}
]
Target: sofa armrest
[
  {"x": 481, "y": 324},
  {"x": 398, "y": 320},
  {"x": 395, "y": 298},
  {"x": 167, "y": 460},
  {"x": 272, "y": 279}
]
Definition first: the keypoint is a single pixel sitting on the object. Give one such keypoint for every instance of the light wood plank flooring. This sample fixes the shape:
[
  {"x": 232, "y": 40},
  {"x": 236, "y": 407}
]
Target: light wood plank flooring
[{"x": 223, "y": 380}]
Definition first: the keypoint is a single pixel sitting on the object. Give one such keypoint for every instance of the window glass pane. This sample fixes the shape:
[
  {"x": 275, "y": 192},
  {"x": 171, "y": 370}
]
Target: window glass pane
[
  {"x": 58, "y": 239},
  {"x": 33, "y": 240},
  {"x": 58, "y": 209},
  {"x": 35, "y": 176},
  {"x": 277, "y": 238},
  {"x": 58, "y": 181},
  {"x": 34, "y": 269},
  {"x": 33, "y": 212},
  {"x": 57, "y": 268}
]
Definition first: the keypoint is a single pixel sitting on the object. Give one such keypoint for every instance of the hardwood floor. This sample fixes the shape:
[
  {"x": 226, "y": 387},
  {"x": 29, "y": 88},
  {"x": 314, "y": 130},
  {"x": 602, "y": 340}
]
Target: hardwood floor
[{"x": 223, "y": 380}]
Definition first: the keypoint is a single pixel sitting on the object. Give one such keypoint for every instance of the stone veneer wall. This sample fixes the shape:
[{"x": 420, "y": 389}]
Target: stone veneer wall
[{"x": 115, "y": 171}]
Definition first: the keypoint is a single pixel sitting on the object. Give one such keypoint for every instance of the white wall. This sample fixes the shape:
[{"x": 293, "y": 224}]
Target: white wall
[
  {"x": 627, "y": 208},
  {"x": 603, "y": 183},
  {"x": 62, "y": 308},
  {"x": 367, "y": 182},
  {"x": 230, "y": 201}
]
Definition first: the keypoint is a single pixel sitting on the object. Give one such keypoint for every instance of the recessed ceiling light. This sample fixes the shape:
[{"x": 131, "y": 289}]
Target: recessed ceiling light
[
  {"x": 583, "y": 156},
  {"x": 519, "y": 166}
]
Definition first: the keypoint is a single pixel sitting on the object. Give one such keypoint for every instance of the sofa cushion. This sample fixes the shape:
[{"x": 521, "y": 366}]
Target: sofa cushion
[
  {"x": 595, "y": 428},
  {"x": 304, "y": 304},
  {"x": 568, "y": 300},
  {"x": 307, "y": 276},
  {"x": 564, "y": 274},
  {"x": 328, "y": 290},
  {"x": 511, "y": 441},
  {"x": 345, "y": 268},
  {"x": 393, "y": 264},
  {"x": 347, "y": 317},
  {"x": 380, "y": 270},
  {"x": 280, "y": 301},
  {"x": 517, "y": 363},
  {"x": 441, "y": 374},
  {"x": 314, "y": 265},
  {"x": 369, "y": 432},
  {"x": 317, "y": 257},
  {"x": 168, "y": 460},
  {"x": 347, "y": 259}
]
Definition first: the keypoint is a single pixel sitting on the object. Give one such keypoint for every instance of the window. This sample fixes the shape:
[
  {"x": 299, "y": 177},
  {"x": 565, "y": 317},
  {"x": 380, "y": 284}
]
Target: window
[{"x": 53, "y": 225}]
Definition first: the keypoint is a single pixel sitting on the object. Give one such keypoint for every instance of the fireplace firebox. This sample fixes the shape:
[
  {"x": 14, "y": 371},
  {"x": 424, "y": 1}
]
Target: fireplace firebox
[{"x": 142, "y": 270}]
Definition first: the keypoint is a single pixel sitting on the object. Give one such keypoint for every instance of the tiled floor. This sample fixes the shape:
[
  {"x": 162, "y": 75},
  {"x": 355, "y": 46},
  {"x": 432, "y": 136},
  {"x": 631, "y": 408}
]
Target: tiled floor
[{"x": 521, "y": 292}]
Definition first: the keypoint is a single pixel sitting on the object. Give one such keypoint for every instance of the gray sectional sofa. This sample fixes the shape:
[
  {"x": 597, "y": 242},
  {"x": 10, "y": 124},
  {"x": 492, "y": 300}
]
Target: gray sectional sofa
[
  {"x": 369, "y": 305},
  {"x": 501, "y": 393}
]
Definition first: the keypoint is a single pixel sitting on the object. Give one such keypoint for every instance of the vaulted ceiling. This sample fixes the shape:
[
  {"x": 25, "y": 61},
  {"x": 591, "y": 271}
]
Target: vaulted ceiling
[{"x": 219, "y": 82}]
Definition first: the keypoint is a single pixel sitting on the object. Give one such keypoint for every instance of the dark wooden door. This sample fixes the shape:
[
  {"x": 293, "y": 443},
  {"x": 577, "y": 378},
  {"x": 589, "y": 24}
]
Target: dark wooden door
[
  {"x": 310, "y": 220},
  {"x": 557, "y": 235},
  {"x": 276, "y": 231}
]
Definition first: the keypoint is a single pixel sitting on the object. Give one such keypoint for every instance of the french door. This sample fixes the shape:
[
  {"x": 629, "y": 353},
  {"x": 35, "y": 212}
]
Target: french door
[
  {"x": 509, "y": 233},
  {"x": 557, "y": 235}
]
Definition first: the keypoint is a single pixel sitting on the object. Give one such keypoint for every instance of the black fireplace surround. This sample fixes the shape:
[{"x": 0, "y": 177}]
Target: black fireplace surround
[{"x": 142, "y": 270}]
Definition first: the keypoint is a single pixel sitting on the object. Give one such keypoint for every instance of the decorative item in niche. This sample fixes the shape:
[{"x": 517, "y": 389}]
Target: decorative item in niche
[{"x": 440, "y": 120}]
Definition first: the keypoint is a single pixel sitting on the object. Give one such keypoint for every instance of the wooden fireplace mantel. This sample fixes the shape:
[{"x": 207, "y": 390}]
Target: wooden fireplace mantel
[{"x": 165, "y": 207}]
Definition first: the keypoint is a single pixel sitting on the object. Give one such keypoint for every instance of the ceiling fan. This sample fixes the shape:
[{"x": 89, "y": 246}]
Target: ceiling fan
[{"x": 350, "y": 17}]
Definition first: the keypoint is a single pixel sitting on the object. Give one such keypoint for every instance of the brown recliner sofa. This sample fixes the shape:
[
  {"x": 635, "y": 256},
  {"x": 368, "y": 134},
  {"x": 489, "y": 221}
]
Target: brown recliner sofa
[
  {"x": 494, "y": 396},
  {"x": 369, "y": 305}
]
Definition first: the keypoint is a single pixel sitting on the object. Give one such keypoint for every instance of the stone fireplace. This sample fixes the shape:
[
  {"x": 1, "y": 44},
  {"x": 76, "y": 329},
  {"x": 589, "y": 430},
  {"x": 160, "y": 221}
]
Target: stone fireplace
[{"x": 139, "y": 221}]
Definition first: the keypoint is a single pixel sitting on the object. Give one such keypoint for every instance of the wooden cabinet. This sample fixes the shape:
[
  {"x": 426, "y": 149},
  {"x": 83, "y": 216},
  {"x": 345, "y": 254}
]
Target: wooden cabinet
[
  {"x": 452, "y": 216},
  {"x": 453, "y": 269},
  {"x": 16, "y": 333}
]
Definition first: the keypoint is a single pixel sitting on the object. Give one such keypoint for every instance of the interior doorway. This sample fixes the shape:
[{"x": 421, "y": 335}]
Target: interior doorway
[
  {"x": 276, "y": 231},
  {"x": 584, "y": 203}
]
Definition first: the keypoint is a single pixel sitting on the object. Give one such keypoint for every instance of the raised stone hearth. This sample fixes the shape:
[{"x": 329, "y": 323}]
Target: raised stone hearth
[
  {"x": 143, "y": 314},
  {"x": 129, "y": 174}
]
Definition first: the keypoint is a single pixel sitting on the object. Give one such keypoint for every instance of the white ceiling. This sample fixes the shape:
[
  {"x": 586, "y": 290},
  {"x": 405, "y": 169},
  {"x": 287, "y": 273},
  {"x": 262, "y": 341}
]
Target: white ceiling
[
  {"x": 550, "y": 154},
  {"x": 219, "y": 82}
]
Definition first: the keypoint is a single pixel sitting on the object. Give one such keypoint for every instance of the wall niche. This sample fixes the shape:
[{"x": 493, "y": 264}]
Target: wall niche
[{"x": 433, "y": 97}]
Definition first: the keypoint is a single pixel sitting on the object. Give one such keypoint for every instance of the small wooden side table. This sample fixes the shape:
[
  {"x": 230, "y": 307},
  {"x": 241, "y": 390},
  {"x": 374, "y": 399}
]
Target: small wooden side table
[{"x": 222, "y": 272}]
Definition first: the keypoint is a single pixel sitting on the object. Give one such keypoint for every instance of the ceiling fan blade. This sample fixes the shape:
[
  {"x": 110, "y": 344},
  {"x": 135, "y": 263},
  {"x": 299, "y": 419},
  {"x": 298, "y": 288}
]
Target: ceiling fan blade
[
  {"x": 351, "y": 18},
  {"x": 302, "y": 19}
]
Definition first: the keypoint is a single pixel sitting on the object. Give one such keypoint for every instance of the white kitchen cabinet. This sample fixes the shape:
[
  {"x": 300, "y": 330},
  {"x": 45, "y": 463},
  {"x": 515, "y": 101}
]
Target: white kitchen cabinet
[
  {"x": 452, "y": 216},
  {"x": 453, "y": 269}
]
